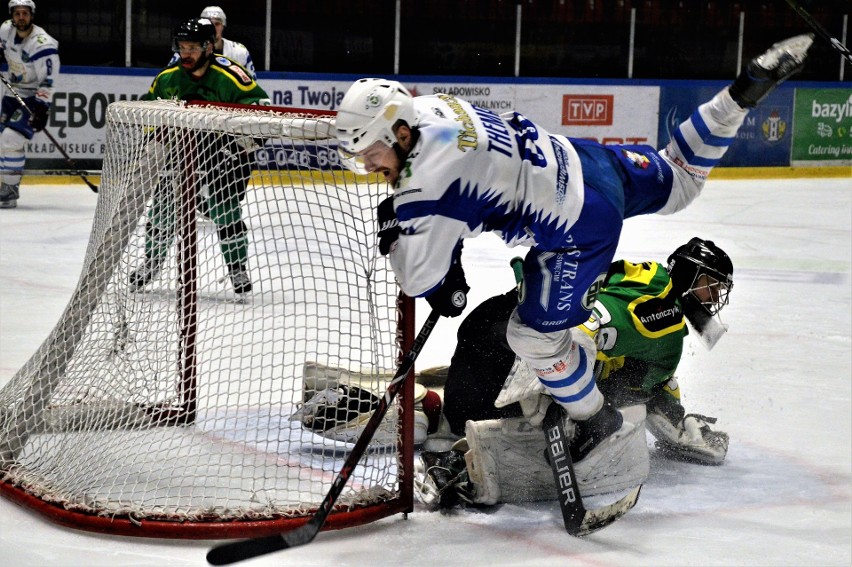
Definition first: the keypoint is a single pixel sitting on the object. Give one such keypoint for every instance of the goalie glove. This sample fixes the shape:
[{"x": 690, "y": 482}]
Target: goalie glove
[
  {"x": 336, "y": 406},
  {"x": 691, "y": 439}
]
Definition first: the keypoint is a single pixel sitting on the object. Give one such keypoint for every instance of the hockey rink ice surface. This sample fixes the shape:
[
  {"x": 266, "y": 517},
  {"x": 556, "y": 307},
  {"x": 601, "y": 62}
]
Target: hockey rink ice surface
[{"x": 779, "y": 382}]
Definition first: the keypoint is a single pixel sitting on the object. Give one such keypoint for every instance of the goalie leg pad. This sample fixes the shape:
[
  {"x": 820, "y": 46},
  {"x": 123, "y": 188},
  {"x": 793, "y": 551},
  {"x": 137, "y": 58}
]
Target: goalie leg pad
[
  {"x": 620, "y": 462},
  {"x": 506, "y": 461}
]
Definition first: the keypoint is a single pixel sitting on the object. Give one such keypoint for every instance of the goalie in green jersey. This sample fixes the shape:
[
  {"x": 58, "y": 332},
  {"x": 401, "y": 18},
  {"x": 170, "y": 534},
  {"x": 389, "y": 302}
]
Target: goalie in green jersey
[
  {"x": 223, "y": 162},
  {"x": 493, "y": 405}
]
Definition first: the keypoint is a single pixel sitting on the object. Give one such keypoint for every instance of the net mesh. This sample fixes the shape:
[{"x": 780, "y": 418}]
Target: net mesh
[{"x": 170, "y": 398}]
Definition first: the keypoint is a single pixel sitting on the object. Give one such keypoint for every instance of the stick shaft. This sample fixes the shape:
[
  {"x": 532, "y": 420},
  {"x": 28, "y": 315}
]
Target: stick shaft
[{"x": 821, "y": 31}]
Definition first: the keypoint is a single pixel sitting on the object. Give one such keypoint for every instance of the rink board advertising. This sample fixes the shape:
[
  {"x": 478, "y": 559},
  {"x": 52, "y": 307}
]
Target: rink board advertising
[{"x": 793, "y": 126}]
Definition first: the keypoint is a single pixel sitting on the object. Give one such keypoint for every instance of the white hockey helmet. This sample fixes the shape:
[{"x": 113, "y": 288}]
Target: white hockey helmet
[
  {"x": 26, "y": 3},
  {"x": 368, "y": 112},
  {"x": 215, "y": 13}
]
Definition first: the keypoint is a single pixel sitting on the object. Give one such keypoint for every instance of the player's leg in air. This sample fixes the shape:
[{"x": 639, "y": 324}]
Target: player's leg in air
[{"x": 699, "y": 143}]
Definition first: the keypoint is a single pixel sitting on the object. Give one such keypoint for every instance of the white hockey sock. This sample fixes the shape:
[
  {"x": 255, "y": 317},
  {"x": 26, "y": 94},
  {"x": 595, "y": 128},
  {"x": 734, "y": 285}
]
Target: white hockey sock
[
  {"x": 699, "y": 143},
  {"x": 563, "y": 361}
]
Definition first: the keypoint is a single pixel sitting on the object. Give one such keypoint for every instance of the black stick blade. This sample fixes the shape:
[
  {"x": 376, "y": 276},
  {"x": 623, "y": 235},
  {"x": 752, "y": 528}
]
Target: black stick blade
[
  {"x": 599, "y": 518},
  {"x": 236, "y": 551}
]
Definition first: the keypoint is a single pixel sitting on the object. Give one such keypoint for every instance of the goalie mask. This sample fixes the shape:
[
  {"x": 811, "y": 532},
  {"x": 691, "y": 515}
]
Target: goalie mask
[
  {"x": 702, "y": 276},
  {"x": 367, "y": 116}
]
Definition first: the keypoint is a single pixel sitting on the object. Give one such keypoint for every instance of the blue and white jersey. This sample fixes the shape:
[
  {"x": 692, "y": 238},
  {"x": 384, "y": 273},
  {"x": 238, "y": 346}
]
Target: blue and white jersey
[
  {"x": 472, "y": 171},
  {"x": 33, "y": 62},
  {"x": 232, "y": 50}
]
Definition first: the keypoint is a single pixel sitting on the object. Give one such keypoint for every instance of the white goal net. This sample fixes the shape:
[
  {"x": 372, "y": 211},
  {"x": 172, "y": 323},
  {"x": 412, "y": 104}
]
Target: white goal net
[{"x": 232, "y": 260}]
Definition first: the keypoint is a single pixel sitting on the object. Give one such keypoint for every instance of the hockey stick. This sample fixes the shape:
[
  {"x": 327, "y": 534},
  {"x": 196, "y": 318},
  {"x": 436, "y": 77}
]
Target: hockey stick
[
  {"x": 68, "y": 159},
  {"x": 578, "y": 520},
  {"x": 821, "y": 31},
  {"x": 233, "y": 552}
]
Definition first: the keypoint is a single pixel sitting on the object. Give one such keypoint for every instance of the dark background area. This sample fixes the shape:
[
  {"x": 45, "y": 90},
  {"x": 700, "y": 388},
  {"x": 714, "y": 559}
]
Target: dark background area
[{"x": 674, "y": 39}]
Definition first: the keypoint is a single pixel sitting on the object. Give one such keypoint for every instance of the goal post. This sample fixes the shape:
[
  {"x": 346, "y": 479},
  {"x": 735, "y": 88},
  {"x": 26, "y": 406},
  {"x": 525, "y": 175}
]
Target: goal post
[{"x": 169, "y": 408}]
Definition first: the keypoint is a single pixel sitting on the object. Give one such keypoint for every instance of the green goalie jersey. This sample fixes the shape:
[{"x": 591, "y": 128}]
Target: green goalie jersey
[
  {"x": 224, "y": 81},
  {"x": 640, "y": 331}
]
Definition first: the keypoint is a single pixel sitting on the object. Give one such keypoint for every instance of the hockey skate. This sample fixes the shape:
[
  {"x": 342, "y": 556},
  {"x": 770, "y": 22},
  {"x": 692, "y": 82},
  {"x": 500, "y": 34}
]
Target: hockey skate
[
  {"x": 591, "y": 432},
  {"x": 9, "y": 196},
  {"x": 149, "y": 269},
  {"x": 239, "y": 278},
  {"x": 767, "y": 71},
  {"x": 446, "y": 477}
]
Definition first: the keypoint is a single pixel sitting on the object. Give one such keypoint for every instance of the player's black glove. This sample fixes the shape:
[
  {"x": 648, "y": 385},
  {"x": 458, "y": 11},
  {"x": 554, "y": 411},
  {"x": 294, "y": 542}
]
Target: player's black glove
[
  {"x": 388, "y": 226},
  {"x": 38, "y": 116},
  {"x": 451, "y": 298}
]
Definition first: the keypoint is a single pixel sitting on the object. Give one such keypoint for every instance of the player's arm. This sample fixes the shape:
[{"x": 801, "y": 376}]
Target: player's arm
[
  {"x": 427, "y": 259},
  {"x": 45, "y": 61},
  {"x": 5, "y": 32},
  {"x": 241, "y": 55},
  {"x": 249, "y": 65}
]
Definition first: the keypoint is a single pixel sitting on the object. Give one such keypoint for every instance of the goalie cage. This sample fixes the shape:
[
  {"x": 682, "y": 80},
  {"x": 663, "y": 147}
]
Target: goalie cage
[{"x": 164, "y": 412}]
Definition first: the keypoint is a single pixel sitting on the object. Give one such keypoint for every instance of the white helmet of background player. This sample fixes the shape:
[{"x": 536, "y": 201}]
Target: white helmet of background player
[
  {"x": 26, "y": 3},
  {"x": 367, "y": 114},
  {"x": 215, "y": 13},
  {"x": 702, "y": 276}
]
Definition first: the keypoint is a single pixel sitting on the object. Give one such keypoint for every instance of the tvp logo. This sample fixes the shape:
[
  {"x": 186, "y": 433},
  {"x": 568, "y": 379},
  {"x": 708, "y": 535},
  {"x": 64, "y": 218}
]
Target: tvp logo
[{"x": 587, "y": 110}]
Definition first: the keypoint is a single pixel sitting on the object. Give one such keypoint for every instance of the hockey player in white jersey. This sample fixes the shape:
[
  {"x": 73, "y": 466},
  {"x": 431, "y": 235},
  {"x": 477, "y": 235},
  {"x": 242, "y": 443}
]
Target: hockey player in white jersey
[
  {"x": 230, "y": 49},
  {"x": 458, "y": 170},
  {"x": 33, "y": 59}
]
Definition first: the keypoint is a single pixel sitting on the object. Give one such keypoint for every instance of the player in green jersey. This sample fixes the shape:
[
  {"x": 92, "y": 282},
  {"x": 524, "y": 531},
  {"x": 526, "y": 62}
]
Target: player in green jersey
[
  {"x": 639, "y": 324},
  {"x": 225, "y": 162}
]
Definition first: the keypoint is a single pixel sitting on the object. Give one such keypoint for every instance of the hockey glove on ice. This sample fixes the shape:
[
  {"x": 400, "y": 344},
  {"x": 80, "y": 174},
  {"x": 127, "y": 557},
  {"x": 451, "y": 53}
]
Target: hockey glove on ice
[
  {"x": 38, "y": 118},
  {"x": 451, "y": 298},
  {"x": 388, "y": 226},
  {"x": 690, "y": 440}
]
